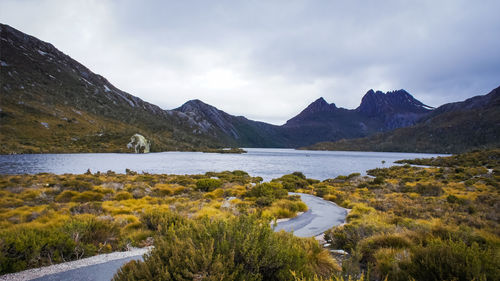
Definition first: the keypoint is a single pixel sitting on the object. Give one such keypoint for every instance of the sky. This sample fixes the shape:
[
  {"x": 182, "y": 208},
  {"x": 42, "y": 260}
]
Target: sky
[{"x": 267, "y": 60}]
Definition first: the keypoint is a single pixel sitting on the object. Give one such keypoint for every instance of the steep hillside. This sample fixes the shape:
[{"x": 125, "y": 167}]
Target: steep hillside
[
  {"x": 233, "y": 130},
  {"x": 451, "y": 128},
  {"x": 51, "y": 103}
]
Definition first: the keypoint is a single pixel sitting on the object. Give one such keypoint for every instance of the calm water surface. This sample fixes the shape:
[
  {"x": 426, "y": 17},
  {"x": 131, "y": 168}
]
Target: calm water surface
[{"x": 268, "y": 163}]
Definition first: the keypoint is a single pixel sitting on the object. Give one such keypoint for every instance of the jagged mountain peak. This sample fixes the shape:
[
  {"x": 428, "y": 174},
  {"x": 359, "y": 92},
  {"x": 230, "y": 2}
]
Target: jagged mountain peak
[
  {"x": 380, "y": 103},
  {"x": 319, "y": 105},
  {"x": 195, "y": 103}
]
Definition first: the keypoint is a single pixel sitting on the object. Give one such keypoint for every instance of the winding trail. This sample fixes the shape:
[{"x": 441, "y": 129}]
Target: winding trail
[
  {"x": 321, "y": 216},
  {"x": 100, "y": 267}
]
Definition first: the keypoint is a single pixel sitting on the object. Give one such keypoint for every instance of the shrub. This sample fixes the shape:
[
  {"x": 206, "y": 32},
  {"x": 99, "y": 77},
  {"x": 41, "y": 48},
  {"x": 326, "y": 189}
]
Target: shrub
[
  {"x": 94, "y": 208},
  {"x": 242, "y": 248},
  {"x": 388, "y": 264},
  {"x": 78, "y": 185},
  {"x": 454, "y": 199},
  {"x": 378, "y": 180},
  {"x": 294, "y": 181},
  {"x": 353, "y": 175},
  {"x": 370, "y": 245},
  {"x": 160, "y": 220},
  {"x": 90, "y": 235},
  {"x": 87, "y": 196},
  {"x": 453, "y": 260},
  {"x": 429, "y": 189},
  {"x": 25, "y": 246},
  {"x": 272, "y": 190},
  {"x": 162, "y": 190},
  {"x": 208, "y": 185},
  {"x": 122, "y": 195},
  {"x": 66, "y": 196},
  {"x": 264, "y": 201},
  {"x": 321, "y": 190}
]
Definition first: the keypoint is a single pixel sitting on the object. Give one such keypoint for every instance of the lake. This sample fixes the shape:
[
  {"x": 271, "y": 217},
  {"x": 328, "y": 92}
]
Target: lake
[{"x": 267, "y": 163}]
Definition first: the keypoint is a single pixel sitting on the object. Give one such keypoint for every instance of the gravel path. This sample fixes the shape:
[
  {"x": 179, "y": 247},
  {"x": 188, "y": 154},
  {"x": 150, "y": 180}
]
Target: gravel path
[
  {"x": 320, "y": 216},
  {"x": 54, "y": 270}
]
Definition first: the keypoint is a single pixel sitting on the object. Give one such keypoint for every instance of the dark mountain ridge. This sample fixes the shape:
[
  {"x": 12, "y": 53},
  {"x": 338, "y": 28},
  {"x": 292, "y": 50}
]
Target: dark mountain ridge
[
  {"x": 320, "y": 121},
  {"x": 451, "y": 128},
  {"x": 378, "y": 112}
]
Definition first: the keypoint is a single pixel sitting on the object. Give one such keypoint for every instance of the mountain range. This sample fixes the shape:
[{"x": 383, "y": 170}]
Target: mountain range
[
  {"x": 320, "y": 121},
  {"x": 52, "y": 103},
  {"x": 451, "y": 128}
]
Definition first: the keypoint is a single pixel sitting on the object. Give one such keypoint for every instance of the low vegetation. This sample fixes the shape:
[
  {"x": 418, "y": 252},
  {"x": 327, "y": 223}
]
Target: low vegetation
[
  {"x": 477, "y": 158},
  {"x": 415, "y": 223},
  {"x": 405, "y": 223},
  {"x": 47, "y": 218},
  {"x": 241, "y": 248}
]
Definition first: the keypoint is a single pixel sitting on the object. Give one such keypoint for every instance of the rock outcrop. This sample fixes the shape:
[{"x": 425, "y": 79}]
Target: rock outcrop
[{"x": 139, "y": 143}]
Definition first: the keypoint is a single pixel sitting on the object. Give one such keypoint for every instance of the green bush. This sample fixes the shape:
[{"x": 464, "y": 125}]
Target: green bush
[
  {"x": 294, "y": 181},
  {"x": 65, "y": 196},
  {"x": 160, "y": 220},
  {"x": 123, "y": 195},
  {"x": 453, "y": 260},
  {"x": 78, "y": 185},
  {"x": 378, "y": 180},
  {"x": 25, "y": 247},
  {"x": 429, "y": 189},
  {"x": 94, "y": 208},
  {"x": 87, "y": 196},
  {"x": 242, "y": 248},
  {"x": 264, "y": 201},
  {"x": 453, "y": 199},
  {"x": 208, "y": 185},
  {"x": 272, "y": 191},
  {"x": 89, "y": 232},
  {"x": 369, "y": 246}
]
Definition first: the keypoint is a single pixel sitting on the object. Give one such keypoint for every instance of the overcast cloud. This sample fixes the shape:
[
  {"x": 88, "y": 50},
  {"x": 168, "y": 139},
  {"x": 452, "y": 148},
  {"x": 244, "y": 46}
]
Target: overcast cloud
[{"x": 267, "y": 60}]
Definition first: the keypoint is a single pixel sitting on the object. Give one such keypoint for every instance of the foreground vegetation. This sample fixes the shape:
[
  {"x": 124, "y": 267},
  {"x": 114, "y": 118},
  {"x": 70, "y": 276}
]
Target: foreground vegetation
[
  {"x": 439, "y": 223},
  {"x": 47, "y": 218},
  {"x": 405, "y": 223},
  {"x": 242, "y": 248}
]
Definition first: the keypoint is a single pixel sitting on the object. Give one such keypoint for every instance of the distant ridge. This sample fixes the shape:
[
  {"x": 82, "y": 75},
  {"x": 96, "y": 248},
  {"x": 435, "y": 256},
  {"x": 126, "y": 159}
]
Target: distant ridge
[
  {"x": 451, "y": 128},
  {"x": 320, "y": 121}
]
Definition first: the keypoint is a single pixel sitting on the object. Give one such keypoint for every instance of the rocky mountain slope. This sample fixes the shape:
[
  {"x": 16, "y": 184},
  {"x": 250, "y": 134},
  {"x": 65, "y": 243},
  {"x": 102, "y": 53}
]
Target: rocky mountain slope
[
  {"x": 51, "y": 103},
  {"x": 320, "y": 121},
  {"x": 378, "y": 112},
  {"x": 451, "y": 128},
  {"x": 230, "y": 129}
]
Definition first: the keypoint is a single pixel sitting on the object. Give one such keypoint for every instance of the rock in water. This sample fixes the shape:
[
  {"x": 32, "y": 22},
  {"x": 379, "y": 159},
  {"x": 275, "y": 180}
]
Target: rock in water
[{"x": 139, "y": 143}]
